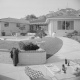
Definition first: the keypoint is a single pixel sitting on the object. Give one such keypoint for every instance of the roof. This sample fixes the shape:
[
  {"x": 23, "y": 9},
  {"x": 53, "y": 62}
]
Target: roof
[
  {"x": 44, "y": 21},
  {"x": 14, "y": 20},
  {"x": 67, "y": 13},
  {"x": 38, "y": 21},
  {"x": 65, "y": 17}
]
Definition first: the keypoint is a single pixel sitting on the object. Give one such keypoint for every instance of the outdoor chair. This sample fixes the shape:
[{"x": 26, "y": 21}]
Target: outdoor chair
[{"x": 35, "y": 75}]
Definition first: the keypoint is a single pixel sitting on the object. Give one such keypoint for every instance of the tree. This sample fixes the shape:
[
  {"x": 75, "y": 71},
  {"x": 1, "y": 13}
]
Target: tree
[{"x": 31, "y": 17}]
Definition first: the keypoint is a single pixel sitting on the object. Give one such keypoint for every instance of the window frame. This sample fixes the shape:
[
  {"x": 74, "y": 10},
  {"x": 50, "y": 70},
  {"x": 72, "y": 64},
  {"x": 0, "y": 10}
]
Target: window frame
[
  {"x": 61, "y": 25},
  {"x": 6, "y": 24},
  {"x": 17, "y": 24}
]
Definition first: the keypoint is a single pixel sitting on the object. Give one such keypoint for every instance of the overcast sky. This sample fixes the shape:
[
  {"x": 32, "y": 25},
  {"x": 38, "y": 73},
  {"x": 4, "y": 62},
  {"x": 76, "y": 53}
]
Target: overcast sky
[{"x": 21, "y": 8}]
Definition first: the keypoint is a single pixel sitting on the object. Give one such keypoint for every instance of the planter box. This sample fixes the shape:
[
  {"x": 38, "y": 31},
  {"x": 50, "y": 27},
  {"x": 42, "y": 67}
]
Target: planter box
[{"x": 32, "y": 57}]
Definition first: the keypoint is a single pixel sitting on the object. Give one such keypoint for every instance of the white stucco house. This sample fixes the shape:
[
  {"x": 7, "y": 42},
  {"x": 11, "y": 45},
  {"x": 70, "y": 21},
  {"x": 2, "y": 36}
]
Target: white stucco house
[
  {"x": 10, "y": 26},
  {"x": 62, "y": 25}
]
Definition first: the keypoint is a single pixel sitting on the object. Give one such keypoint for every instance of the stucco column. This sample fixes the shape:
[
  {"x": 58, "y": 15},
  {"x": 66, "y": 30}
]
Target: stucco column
[{"x": 50, "y": 28}]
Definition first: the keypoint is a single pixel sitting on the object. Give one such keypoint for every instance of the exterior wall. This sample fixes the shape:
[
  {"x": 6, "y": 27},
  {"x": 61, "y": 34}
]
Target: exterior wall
[
  {"x": 12, "y": 28},
  {"x": 50, "y": 28},
  {"x": 32, "y": 57},
  {"x": 0, "y": 28},
  {"x": 53, "y": 27},
  {"x": 61, "y": 32},
  {"x": 27, "y": 27},
  {"x": 77, "y": 25},
  {"x": 8, "y": 30}
]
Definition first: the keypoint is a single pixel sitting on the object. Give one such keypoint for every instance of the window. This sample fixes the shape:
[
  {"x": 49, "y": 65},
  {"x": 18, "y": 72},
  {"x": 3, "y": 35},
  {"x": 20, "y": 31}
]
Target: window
[
  {"x": 18, "y": 24},
  {"x": 6, "y": 24},
  {"x": 65, "y": 25}
]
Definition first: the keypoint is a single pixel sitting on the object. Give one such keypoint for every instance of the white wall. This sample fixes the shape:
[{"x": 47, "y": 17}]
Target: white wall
[
  {"x": 77, "y": 25},
  {"x": 0, "y": 28},
  {"x": 32, "y": 58},
  {"x": 12, "y": 28},
  {"x": 50, "y": 30},
  {"x": 53, "y": 27}
]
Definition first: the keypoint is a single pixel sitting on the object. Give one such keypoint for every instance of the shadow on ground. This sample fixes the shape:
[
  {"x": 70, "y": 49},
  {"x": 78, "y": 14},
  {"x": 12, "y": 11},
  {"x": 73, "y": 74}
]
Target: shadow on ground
[{"x": 5, "y": 78}]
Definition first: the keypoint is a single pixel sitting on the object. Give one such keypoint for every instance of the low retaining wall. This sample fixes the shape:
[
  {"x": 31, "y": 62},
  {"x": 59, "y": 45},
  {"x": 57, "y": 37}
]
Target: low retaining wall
[{"x": 32, "y": 57}]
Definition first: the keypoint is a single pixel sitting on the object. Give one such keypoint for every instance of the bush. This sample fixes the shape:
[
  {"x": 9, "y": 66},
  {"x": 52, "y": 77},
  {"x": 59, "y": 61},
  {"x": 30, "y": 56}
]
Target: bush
[
  {"x": 69, "y": 35},
  {"x": 28, "y": 46},
  {"x": 74, "y": 33},
  {"x": 41, "y": 33},
  {"x": 77, "y": 73},
  {"x": 21, "y": 45},
  {"x": 23, "y": 34}
]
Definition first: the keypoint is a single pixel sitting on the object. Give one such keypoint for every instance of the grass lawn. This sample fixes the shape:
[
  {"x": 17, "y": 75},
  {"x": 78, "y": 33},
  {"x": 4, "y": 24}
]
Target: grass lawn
[
  {"x": 8, "y": 44},
  {"x": 51, "y": 45}
]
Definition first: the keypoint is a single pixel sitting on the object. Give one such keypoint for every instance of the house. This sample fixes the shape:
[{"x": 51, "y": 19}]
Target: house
[
  {"x": 38, "y": 24},
  {"x": 11, "y": 26},
  {"x": 62, "y": 25},
  {"x": 63, "y": 22}
]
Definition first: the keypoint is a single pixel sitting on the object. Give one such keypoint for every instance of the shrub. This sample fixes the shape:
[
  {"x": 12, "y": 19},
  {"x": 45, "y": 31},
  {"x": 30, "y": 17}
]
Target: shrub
[
  {"x": 28, "y": 46},
  {"x": 23, "y": 34},
  {"x": 77, "y": 73},
  {"x": 41, "y": 33},
  {"x": 21, "y": 45},
  {"x": 74, "y": 33}
]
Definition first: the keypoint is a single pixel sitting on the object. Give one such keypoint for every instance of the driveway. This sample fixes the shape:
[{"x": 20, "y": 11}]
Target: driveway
[{"x": 70, "y": 50}]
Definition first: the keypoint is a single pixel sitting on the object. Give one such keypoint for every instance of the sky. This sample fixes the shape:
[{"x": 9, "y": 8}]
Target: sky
[{"x": 22, "y": 8}]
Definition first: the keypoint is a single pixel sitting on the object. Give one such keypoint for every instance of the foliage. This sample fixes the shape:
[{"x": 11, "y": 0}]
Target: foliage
[
  {"x": 31, "y": 17},
  {"x": 74, "y": 33},
  {"x": 23, "y": 34},
  {"x": 28, "y": 46},
  {"x": 64, "y": 12},
  {"x": 77, "y": 73},
  {"x": 40, "y": 33},
  {"x": 21, "y": 45}
]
